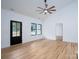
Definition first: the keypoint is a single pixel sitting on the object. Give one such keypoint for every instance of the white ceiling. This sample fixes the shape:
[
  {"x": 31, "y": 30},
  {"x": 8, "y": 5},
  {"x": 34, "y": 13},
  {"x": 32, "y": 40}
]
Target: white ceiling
[{"x": 29, "y": 7}]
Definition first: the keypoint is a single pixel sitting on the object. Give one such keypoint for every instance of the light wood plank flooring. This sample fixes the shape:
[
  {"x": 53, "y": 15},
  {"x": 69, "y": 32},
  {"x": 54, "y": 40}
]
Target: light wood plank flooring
[{"x": 41, "y": 49}]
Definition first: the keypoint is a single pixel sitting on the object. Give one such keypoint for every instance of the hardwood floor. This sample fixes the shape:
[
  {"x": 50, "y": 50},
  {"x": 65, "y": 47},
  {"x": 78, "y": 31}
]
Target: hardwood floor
[{"x": 41, "y": 49}]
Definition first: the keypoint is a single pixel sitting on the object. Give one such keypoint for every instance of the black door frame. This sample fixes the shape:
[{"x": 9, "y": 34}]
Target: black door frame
[{"x": 11, "y": 30}]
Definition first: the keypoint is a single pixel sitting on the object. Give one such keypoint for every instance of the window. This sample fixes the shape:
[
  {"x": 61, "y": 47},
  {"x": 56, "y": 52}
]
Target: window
[
  {"x": 36, "y": 29},
  {"x": 39, "y": 29},
  {"x": 33, "y": 28}
]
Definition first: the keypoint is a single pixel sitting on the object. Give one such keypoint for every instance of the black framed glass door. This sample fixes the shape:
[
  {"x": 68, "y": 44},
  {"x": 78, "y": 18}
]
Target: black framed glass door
[{"x": 15, "y": 32}]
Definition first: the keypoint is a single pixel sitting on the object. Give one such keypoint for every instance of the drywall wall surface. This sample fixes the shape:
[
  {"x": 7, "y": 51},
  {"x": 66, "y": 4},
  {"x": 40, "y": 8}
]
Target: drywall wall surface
[
  {"x": 6, "y": 17},
  {"x": 68, "y": 16}
]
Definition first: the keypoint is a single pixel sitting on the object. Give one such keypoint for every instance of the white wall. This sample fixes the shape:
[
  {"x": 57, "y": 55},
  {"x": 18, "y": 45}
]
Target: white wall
[
  {"x": 68, "y": 16},
  {"x": 6, "y": 16}
]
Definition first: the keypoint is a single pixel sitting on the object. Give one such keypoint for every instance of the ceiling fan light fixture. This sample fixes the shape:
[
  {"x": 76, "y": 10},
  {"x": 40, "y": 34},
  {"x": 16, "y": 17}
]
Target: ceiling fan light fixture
[{"x": 46, "y": 11}]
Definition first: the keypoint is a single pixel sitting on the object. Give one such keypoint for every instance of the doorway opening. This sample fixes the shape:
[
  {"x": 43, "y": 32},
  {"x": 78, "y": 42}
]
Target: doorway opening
[{"x": 59, "y": 31}]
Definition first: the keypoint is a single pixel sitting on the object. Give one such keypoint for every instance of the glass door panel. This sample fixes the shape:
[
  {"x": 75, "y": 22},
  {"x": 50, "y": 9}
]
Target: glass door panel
[
  {"x": 18, "y": 29},
  {"x": 15, "y": 32},
  {"x": 13, "y": 29}
]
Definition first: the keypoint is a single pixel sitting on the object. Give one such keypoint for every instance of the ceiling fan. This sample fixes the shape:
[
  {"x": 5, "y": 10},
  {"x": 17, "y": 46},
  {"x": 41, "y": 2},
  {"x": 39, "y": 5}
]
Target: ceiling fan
[{"x": 46, "y": 10}]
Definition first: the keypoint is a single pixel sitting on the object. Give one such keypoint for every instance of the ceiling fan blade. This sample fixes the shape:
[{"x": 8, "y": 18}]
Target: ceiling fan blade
[
  {"x": 53, "y": 10},
  {"x": 49, "y": 12},
  {"x": 51, "y": 7},
  {"x": 41, "y": 12},
  {"x": 40, "y": 8}
]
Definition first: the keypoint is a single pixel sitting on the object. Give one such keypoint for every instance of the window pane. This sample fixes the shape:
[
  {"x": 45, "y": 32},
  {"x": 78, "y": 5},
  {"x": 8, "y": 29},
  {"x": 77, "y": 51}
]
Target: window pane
[
  {"x": 38, "y": 26},
  {"x": 38, "y": 32},
  {"x": 33, "y": 28},
  {"x": 18, "y": 29},
  {"x": 13, "y": 29},
  {"x": 39, "y": 29},
  {"x": 33, "y": 32}
]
